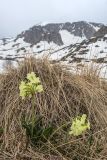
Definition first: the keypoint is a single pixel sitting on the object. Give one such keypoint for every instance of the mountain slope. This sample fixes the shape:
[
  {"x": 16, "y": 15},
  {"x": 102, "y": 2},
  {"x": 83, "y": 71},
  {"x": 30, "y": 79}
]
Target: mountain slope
[
  {"x": 91, "y": 49},
  {"x": 69, "y": 42},
  {"x": 88, "y": 51},
  {"x": 51, "y": 36}
]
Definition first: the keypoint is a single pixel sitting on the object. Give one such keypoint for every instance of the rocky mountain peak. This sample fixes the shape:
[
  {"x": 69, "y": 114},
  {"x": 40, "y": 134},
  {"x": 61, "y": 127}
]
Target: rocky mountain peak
[
  {"x": 80, "y": 29},
  {"x": 51, "y": 32}
]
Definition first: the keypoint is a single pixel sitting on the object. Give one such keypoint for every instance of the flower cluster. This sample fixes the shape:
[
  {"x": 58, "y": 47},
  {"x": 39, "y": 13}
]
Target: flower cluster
[
  {"x": 79, "y": 125},
  {"x": 31, "y": 86}
]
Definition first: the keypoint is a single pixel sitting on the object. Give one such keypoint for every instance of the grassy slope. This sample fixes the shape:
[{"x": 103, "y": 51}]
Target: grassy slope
[{"x": 65, "y": 96}]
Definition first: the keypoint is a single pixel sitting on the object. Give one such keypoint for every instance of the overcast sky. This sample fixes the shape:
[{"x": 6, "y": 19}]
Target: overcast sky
[{"x": 18, "y": 15}]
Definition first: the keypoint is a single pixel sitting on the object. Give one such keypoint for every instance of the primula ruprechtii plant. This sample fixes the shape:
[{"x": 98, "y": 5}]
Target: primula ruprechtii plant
[
  {"x": 79, "y": 125},
  {"x": 31, "y": 86},
  {"x": 34, "y": 128}
]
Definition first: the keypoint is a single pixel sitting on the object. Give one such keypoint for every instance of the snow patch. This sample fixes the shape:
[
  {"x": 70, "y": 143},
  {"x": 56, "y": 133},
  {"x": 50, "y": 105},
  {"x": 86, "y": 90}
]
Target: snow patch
[{"x": 69, "y": 38}]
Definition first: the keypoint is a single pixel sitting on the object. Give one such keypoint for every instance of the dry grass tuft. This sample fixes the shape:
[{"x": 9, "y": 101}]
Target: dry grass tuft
[{"x": 65, "y": 96}]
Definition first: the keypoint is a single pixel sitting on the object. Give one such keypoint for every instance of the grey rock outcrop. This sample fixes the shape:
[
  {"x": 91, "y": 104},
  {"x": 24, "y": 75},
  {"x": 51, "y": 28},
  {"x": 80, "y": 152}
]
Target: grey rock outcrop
[{"x": 50, "y": 32}]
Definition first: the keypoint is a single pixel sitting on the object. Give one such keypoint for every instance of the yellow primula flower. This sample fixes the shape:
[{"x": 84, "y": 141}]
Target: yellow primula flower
[
  {"x": 30, "y": 87},
  {"x": 39, "y": 88},
  {"x": 32, "y": 78},
  {"x": 79, "y": 125}
]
